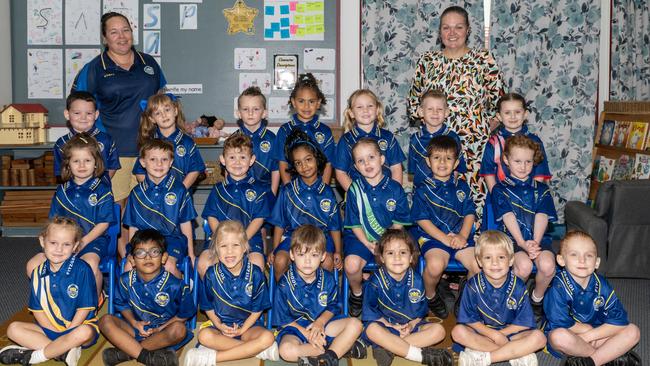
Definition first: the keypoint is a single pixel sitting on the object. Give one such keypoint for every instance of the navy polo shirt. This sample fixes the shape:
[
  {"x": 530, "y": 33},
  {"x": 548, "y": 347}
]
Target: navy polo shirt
[
  {"x": 118, "y": 93},
  {"x": 496, "y": 307},
  {"x": 374, "y": 209},
  {"x": 264, "y": 142},
  {"x": 417, "y": 164},
  {"x": 106, "y": 145},
  {"x": 233, "y": 298},
  {"x": 317, "y": 131},
  {"x": 187, "y": 157},
  {"x": 302, "y": 302},
  {"x": 398, "y": 302},
  {"x": 156, "y": 301}
]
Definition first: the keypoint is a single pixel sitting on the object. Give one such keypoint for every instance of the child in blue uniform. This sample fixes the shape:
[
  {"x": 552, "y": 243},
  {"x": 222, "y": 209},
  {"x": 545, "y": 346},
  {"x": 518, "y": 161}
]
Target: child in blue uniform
[
  {"x": 251, "y": 111},
  {"x": 62, "y": 299},
  {"x": 306, "y": 100},
  {"x": 434, "y": 111},
  {"x": 364, "y": 117},
  {"x": 307, "y": 199},
  {"x": 512, "y": 112},
  {"x": 233, "y": 296},
  {"x": 163, "y": 119},
  {"x": 394, "y": 307},
  {"x": 374, "y": 203},
  {"x": 81, "y": 113},
  {"x": 495, "y": 319},
  {"x": 163, "y": 203},
  {"x": 585, "y": 320},
  {"x": 238, "y": 197},
  {"x": 154, "y": 306},
  {"x": 86, "y": 198},
  {"x": 444, "y": 211},
  {"x": 306, "y": 307}
]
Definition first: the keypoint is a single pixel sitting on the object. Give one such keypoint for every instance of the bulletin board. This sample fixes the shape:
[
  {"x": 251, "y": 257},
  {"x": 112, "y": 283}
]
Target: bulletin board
[{"x": 207, "y": 66}]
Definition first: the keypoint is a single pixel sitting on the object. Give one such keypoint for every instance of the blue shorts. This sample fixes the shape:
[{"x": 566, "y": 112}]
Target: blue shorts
[
  {"x": 285, "y": 244},
  {"x": 546, "y": 245},
  {"x": 290, "y": 330},
  {"x": 457, "y": 347},
  {"x": 427, "y": 244},
  {"x": 52, "y": 335},
  {"x": 394, "y": 331},
  {"x": 353, "y": 246},
  {"x": 140, "y": 338},
  {"x": 98, "y": 246}
]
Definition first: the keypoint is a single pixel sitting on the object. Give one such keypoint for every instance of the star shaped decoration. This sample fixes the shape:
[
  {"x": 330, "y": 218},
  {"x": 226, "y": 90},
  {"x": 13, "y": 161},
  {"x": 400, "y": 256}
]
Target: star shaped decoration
[{"x": 240, "y": 18}]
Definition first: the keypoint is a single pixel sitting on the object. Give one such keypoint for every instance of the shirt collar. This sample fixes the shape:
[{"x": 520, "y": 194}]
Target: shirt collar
[
  {"x": 295, "y": 281},
  {"x": 435, "y": 183},
  {"x": 387, "y": 281},
  {"x": 514, "y": 182},
  {"x": 175, "y": 136},
  {"x": 571, "y": 285},
  {"x": 245, "y": 274},
  {"x": 314, "y": 122},
  {"x": 383, "y": 183},
  {"x": 247, "y": 179},
  {"x": 359, "y": 133},
  {"x": 159, "y": 281},
  {"x": 260, "y": 132},
  {"x": 300, "y": 185},
  {"x": 66, "y": 267},
  {"x": 90, "y": 184},
  {"x": 426, "y": 134},
  {"x": 166, "y": 182},
  {"x": 108, "y": 63},
  {"x": 505, "y": 133}
]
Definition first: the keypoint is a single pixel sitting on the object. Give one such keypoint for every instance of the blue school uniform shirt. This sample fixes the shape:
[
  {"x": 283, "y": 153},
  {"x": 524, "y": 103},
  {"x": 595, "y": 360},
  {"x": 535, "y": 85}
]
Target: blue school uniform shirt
[
  {"x": 59, "y": 295},
  {"x": 567, "y": 303},
  {"x": 387, "y": 144},
  {"x": 118, "y": 93},
  {"x": 445, "y": 204},
  {"x": 302, "y": 302},
  {"x": 319, "y": 132},
  {"x": 243, "y": 200},
  {"x": 106, "y": 146},
  {"x": 299, "y": 204},
  {"x": 493, "y": 164},
  {"x": 496, "y": 307},
  {"x": 524, "y": 199},
  {"x": 187, "y": 157},
  {"x": 417, "y": 164},
  {"x": 233, "y": 298},
  {"x": 264, "y": 142},
  {"x": 374, "y": 209},
  {"x": 157, "y": 300},
  {"x": 398, "y": 302}
]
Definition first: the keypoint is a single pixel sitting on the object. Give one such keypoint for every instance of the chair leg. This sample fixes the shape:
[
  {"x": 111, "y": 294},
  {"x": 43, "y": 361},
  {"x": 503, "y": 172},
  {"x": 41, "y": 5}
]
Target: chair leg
[
  {"x": 346, "y": 294},
  {"x": 269, "y": 314},
  {"x": 111, "y": 286}
]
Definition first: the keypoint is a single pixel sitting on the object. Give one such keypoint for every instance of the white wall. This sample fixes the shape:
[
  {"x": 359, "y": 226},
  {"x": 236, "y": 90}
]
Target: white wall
[
  {"x": 350, "y": 50},
  {"x": 5, "y": 55}
]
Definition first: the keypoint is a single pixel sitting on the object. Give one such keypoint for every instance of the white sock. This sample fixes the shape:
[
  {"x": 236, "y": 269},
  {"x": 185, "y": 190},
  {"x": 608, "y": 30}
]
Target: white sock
[
  {"x": 414, "y": 354},
  {"x": 535, "y": 298},
  {"x": 38, "y": 356}
]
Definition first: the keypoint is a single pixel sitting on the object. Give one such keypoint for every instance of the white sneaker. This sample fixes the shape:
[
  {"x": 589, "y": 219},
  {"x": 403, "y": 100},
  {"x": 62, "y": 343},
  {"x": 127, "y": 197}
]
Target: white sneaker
[
  {"x": 73, "y": 356},
  {"x": 470, "y": 357},
  {"x": 272, "y": 353},
  {"x": 201, "y": 356},
  {"x": 528, "y": 360}
]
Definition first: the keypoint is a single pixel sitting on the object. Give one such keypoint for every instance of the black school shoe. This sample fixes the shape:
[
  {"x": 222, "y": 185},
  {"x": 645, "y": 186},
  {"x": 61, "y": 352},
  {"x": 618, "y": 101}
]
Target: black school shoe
[
  {"x": 628, "y": 359},
  {"x": 579, "y": 361},
  {"x": 162, "y": 357},
  {"x": 326, "y": 359},
  {"x": 358, "y": 350},
  {"x": 15, "y": 355},
  {"x": 436, "y": 357},
  {"x": 438, "y": 307},
  {"x": 356, "y": 305},
  {"x": 113, "y": 356},
  {"x": 382, "y": 357}
]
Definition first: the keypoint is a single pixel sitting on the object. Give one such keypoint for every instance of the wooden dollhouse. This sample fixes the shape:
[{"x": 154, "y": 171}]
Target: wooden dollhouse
[{"x": 23, "y": 124}]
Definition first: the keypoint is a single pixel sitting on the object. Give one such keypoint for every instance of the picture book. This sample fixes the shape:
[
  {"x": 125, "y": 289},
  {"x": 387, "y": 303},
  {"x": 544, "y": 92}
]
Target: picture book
[
  {"x": 642, "y": 166},
  {"x": 607, "y": 132},
  {"x": 605, "y": 169},
  {"x": 624, "y": 168},
  {"x": 637, "y": 135},
  {"x": 620, "y": 133}
]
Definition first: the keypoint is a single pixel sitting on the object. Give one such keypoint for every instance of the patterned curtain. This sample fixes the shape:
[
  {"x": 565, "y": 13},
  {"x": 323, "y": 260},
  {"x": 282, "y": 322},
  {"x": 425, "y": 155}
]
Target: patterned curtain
[{"x": 630, "y": 51}]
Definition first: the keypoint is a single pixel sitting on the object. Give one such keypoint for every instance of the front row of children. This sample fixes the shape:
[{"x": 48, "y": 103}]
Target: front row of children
[{"x": 584, "y": 318}]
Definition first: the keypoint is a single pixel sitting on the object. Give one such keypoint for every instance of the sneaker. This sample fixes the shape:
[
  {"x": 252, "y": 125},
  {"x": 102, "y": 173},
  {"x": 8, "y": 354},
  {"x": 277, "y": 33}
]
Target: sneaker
[
  {"x": 461, "y": 287},
  {"x": 72, "y": 356},
  {"x": 382, "y": 356},
  {"x": 326, "y": 359},
  {"x": 358, "y": 350},
  {"x": 470, "y": 357},
  {"x": 438, "y": 307},
  {"x": 436, "y": 357},
  {"x": 628, "y": 359},
  {"x": 15, "y": 354},
  {"x": 356, "y": 304},
  {"x": 528, "y": 360},
  {"x": 579, "y": 361},
  {"x": 163, "y": 357},
  {"x": 201, "y": 356},
  {"x": 272, "y": 353},
  {"x": 113, "y": 356}
]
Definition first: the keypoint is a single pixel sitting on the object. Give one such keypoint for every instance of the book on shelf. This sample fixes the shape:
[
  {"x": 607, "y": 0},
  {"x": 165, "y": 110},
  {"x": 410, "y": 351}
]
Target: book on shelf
[
  {"x": 642, "y": 166},
  {"x": 605, "y": 169},
  {"x": 621, "y": 131},
  {"x": 607, "y": 132},
  {"x": 624, "y": 168},
  {"x": 637, "y": 136}
]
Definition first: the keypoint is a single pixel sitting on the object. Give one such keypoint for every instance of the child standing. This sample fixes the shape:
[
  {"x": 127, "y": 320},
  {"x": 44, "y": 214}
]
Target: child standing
[
  {"x": 163, "y": 119},
  {"x": 63, "y": 300},
  {"x": 163, "y": 203},
  {"x": 307, "y": 199},
  {"x": 523, "y": 207},
  {"x": 81, "y": 113},
  {"x": 306, "y": 307},
  {"x": 495, "y": 319},
  {"x": 394, "y": 307},
  {"x": 364, "y": 118},
  {"x": 154, "y": 306},
  {"x": 444, "y": 211},
  {"x": 306, "y": 100},
  {"x": 512, "y": 112},
  {"x": 585, "y": 319},
  {"x": 433, "y": 110},
  {"x": 233, "y": 295},
  {"x": 374, "y": 203},
  {"x": 238, "y": 197}
]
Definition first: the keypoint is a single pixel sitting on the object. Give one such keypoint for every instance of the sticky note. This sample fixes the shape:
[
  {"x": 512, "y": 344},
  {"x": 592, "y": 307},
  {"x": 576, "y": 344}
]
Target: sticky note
[
  {"x": 292, "y": 5},
  {"x": 293, "y": 28},
  {"x": 319, "y": 18},
  {"x": 319, "y": 28},
  {"x": 268, "y": 33},
  {"x": 311, "y": 29},
  {"x": 284, "y": 34},
  {"x": 275, "y": 26},
  {"x": 284, "y": 9},
  {"x": 309, "y": 19},
  {"x": 299, "y": 19},
  {"x": 300, "y": 8},
  {"x": 315, "y": 6},
  {"x": 284, "y": 22},
  {"x": 301, "y": 32},
  {"x": 269, "y": 10}
]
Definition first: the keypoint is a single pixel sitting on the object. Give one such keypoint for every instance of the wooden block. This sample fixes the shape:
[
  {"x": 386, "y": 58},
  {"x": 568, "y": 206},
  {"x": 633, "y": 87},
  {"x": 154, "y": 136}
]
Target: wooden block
[
  {"x": 22, "y": 177},
  {"x": 31, "y": 177},
  {"x": 5, "y": 177},
  {"x": 13, "y": 174}
]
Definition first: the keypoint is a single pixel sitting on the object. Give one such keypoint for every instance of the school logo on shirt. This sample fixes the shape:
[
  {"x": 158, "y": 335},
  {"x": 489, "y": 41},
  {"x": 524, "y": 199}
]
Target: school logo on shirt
[
  {"x": 101, "y": 146},
  {"x": 162, "y": 298},
  {"x": 383, "y": 144},
  {"x": 599, "y": 302},
  {"x": 92, "y": 199},
  {"x": 170, "y": 198},
  {"x": 414, "y": 295},
  {"x": 180, "y": 150},
  {"x": 320, "y": 137},
  {"x": 460, "y": 195},
  {"x": 250, "y": 195},
  {"x": 73, "y": 291},
  {"x": 322, "y": 299},
  {"x": 148, "y": 70},
  {"x": 249, "y": 289},
  {"x": 326, "y": 204},
  {"x": 391, "y": 205},
  {"x": 511, "y": 303},
  {"x": 265, "y": 146}
]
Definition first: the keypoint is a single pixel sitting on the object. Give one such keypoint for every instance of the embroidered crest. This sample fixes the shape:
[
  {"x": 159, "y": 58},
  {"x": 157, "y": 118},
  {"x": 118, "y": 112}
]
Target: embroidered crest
[
  {"x": 249, "y": 289},
  {"x": 414, "y": 295},
  {"x": 599, "y": 302},
  {"x": 383, "y": 144},
  {"x": 322, "y": 299},
  {"x": 391, "y": 205},
  {"x": 326, "y": 204},
  {"x": 149, "y": 70},
  {"x": 92, "y": 199},
  {"x": 170, "y": 198},
  {"x": 162, "y": 298},
  {"x": 73, "y": 291},
  {"x": 250, "y": 195},
  {"x": 320, "y": 137},
  {"x": 265, "y": 146},
  {"x": 180, "y": 150},
  {"x": 511, "y": 303},
  {"x": 460, "y": 195}
]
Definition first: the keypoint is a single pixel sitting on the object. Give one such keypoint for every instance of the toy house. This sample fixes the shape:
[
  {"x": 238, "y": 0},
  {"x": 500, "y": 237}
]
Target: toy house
[{"x": 23, "y": 124}]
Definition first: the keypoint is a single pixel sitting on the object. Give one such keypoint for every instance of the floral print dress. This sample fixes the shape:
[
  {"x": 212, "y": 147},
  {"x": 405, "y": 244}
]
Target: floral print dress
[{"x": 473, "y": 85}]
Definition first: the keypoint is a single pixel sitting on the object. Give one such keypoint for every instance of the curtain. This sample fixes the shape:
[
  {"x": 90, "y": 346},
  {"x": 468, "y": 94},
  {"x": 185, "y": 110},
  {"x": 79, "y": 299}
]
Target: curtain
[{"x": 630, "y": 50}]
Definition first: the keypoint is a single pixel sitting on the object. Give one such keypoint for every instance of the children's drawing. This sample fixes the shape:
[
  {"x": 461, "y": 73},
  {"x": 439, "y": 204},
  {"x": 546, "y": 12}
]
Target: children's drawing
[
  {"x": 319, "y": 59},
  {"x": 259, "y": 79},
  {"x": 44, "y": 78},
  {"x": 250, "y": 58},
  {"x": 75, "y": 59},
  {"x": 151, "y": 16},
  {"x": 44, "y": 22},
  {"x": 82, "y": 22},
  {"x": 326, "y": 82},
  {"x": 151, "y": 43},
  {"x": 188, "y": 16}
]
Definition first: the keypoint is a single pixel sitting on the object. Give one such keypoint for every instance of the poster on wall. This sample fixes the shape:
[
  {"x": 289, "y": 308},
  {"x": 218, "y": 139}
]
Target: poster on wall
[
  {"x": 151, "y": 16},
  {"x": 261, "y": 80},
  {"x": 326, "y": 82},
  {"x": 319, "y": 59},
  {"x": 75, "y": 59},
  {"x": 294, "y": 20},
  {"x": 82, "y": 22},
  {"x": 44, "y": 22},
  {"x": 285, "y": 71},
  {"x": 128, "y": 8},
  {"x": 188, "y": 14},
  {"x": 44, "y": 73},
  {"x": 250, "y": 58},
  {"x": 151, "y": 42}
]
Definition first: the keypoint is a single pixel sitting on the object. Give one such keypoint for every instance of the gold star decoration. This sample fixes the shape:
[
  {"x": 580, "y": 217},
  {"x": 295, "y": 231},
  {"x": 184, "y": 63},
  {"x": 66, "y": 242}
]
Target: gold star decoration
[{"x": 240, "y": 18}]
